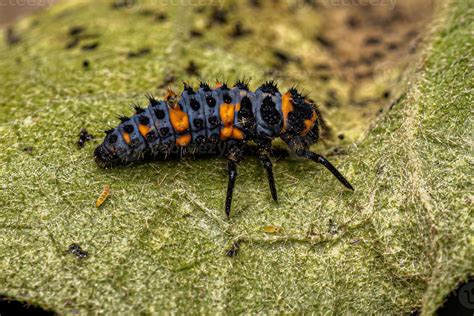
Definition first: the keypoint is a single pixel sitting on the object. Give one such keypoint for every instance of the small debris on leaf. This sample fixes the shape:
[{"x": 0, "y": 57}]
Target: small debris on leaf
[
  {"x": 233, "y": 251},
  {"x": 103, "y": 196},
  {"x": 141, "y": 52},
  {"x": 84, "y": 137},
  {"x": 271, "y": 229},
  {"x": 76, "y": 250}
]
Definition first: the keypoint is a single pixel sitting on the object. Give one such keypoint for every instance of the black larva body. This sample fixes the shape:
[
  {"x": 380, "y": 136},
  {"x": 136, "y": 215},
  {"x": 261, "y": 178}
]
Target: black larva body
[{"x": 219, "y": 121}]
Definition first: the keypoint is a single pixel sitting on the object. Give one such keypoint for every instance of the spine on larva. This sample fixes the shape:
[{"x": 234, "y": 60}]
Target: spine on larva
[{"x": 207, "y": 116}]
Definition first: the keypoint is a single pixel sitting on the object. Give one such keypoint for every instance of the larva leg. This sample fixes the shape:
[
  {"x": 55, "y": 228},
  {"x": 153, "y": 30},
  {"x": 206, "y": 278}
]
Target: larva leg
[
  {"x": 322, "y": 160},
  {"x": 234, "y": 156},
  {"x": 232, "y": 170},
  {"x": 267, "y": 164}
]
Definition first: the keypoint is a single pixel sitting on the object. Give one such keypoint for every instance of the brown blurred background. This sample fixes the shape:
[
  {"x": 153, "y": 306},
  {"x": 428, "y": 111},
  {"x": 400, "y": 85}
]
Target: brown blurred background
[{"x": 11, "y": 10}]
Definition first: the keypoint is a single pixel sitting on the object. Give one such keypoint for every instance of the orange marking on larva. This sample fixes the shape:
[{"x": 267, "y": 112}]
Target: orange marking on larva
[
  {"x": 237, "y": 134},
  {"x": 126, "y": 137},
  {"x": 225, "y": 132},
  {"x": 143, "y": 129},
  {"x": 309, "y": 124},
  {"x": 286, "y": 107},
  {"x": 103, "y": 196},
  {"x": 183, "y": 140},
  {"x": 226, "y": 113},
  {"x": 218, "y": 85},
  {"x": 179, "y": 119}
]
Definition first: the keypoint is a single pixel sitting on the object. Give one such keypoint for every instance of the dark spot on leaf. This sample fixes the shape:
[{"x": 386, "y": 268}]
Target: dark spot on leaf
[
  {"x": 84, "y": 137},
  {"x": 160, "y": 17},
  {"x": 72, "y": 43},
  {"x": 140, "y": 53},
  {"x": 332, "y": 227},
  {"x": 76, "y": 30},
  {"x": 332, "y": 99},
  {"x": 239, "y": 30},
  {"x": 76, "y": 250},
  {"x": 281, "y": 56},
  {"x": 86, "y": 64},
  {"x": 91, "y": 46},
  {"x": 324, "y": 78},
  {"x": 411, "y": 33},
  {"x": 324, "y": 41},
  {"x": 363, "y": 74},
  {"x": 392, "y": 46},
  {"x": 372, "y": 40},
  {"x": 218, "y": 16},
  {"x": 11, "y": 37},
  {"x": 122, "y": 4},
  {"x": 146, "y": 12},
  {"x": 352, "y": 22},
  {"x": 234, "y": 250},
  {"x": 28, "y": 149},
  {"x": 377, "y": 55},
  {"x": 255, "y": 3},
  {"x": 195, "y": 33},
  {"x": 200, "y": 9},
  {"x": 322, "y": 67},
  {"x": 192, "y": 69}
]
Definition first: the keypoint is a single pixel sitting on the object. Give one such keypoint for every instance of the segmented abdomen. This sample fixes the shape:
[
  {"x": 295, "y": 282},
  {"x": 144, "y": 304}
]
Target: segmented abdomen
[{"x": 207, "y": 115}]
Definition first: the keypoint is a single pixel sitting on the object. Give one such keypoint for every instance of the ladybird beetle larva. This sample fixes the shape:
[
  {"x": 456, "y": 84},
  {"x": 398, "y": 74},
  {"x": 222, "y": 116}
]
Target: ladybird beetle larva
[{"x": 220, "y": 121}]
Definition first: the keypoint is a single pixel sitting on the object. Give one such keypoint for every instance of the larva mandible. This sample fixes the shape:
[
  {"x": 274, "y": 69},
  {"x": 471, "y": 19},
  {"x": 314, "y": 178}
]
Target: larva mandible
[{"x": 224, "y": 118}]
